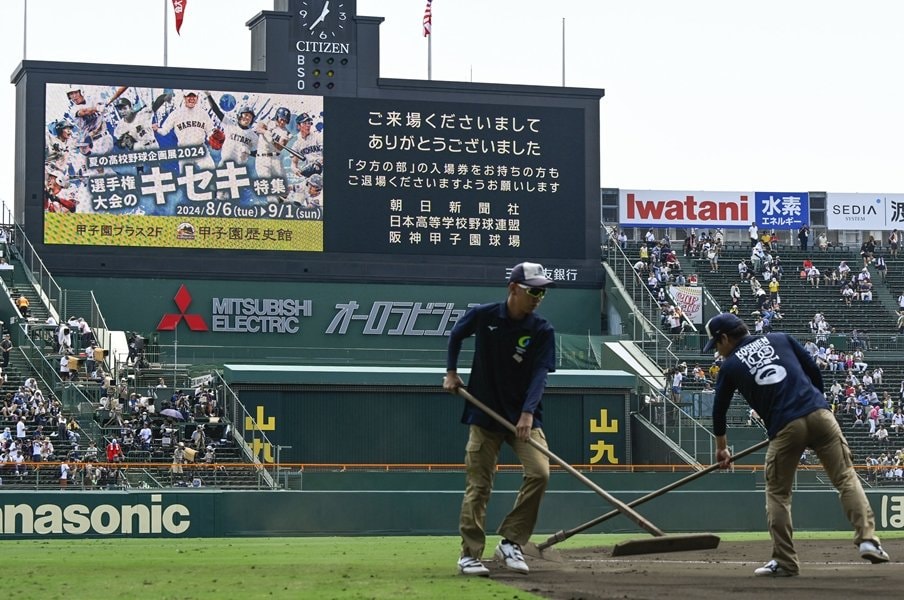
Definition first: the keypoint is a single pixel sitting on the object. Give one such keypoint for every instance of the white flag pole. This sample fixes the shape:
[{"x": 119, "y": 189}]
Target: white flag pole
[
  {"x": 25, "y": 31},
  {"x": 165, "y": 32},
  {"x": 563, "y": 51}
]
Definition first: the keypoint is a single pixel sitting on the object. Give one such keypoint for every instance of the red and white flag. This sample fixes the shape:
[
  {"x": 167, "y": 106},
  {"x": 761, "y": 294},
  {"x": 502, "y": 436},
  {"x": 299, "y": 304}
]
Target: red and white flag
[
  {"x": 179, "y": 10},
  {"x": 428, "y": 18}
]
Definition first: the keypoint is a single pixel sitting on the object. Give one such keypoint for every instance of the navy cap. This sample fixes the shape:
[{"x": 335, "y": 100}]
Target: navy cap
[
  {"x": 532, "y": 274},
  {"x": 722, "y": 323}
]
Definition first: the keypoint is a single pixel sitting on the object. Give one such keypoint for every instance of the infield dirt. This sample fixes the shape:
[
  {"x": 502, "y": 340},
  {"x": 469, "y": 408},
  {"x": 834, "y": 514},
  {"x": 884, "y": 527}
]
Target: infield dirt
[{"x": 830, "y": 569}]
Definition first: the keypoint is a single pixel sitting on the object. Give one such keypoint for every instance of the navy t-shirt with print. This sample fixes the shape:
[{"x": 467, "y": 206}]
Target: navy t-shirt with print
[
  {"x": 511, "y": 361},
  {"x": 776, "y": 376}
]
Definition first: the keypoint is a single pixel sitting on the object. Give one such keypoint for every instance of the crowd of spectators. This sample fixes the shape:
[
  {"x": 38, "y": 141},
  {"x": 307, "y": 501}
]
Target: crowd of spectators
[{"x": 31, "y": 422}]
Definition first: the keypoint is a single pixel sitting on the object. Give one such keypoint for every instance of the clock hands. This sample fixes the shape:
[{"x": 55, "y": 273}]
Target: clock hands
[{"x": 326, "y": 10}]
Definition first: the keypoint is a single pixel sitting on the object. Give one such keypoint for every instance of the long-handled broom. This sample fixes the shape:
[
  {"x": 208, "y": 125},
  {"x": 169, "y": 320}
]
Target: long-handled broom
[{"x": 659, "y": 543}]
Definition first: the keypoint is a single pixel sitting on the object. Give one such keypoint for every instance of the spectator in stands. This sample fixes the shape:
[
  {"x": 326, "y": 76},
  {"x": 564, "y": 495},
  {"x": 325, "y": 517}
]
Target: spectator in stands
[
  {"x": 888, "y": 406},
  {"x": 85, "y": 332},
  {"x": 803, "y": 236},
  {"x": 878, "y": 373},
  {"x": 847, "y": 294},
  {"x": 178, "y": 459},
  {"x": 643, "y": 252},
  {"x": 145, "y": 435},
  {"x": 735, "y": 293},
  {"x": 866, "y": 290},
  {"x": 114, "y": 451},
  {"x": 91, "y": 452},
  {"x": 867, "y": 381},
  {"x": 811, "y": 348},
  {"x": 64, "y": 339},
  {"x": 897, "y": 421},
  {"x": 22, "y": 304},
  {"x": 859, "y": 416},
  {"x": 822, "y": 358},
  {"x": 757, "y": 258},
  {"x": 6, "y": 345},
  {"x": 882, "y": 436},
  {"x": 844, "y": 271},
  {"x": 882, "y": 268},
  {"x": 20, "y": 430},
  {"x": 622, "y": 239},
  {"x": 199, "y": 438},
  {"x": 699, "y": 374},
  {"x": 64, "y": 367},
  {"x": 744, "y": 272},
  {"x": 47, "y": 450},
  {"x": 822, "y": 241},
  {"x": 690, "y": 244},
  {"x": 813, "y": 276},
  {"x": 676, "y": 378},
  {"x": 773, "y": 288},
  {"x": 754, "y": 233},
  {"x": 858, "y": 361},
  {"x": 872, "y": 418},
  {"x": 36, "y": 449},
  {"x": 867, "y": 250}
]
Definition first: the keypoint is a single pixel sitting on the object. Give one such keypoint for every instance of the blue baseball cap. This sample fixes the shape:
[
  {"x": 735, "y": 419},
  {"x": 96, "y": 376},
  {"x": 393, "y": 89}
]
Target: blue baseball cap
[{"x": 722, "y": 323}]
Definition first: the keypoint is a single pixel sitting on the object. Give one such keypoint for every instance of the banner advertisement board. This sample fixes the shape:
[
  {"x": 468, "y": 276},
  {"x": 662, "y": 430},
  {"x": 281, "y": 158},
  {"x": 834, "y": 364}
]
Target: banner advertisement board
[
  {"x": 702, "y": 209},
  {"x": 690, "y": 300},
  {"x": 865, "y": 211}
]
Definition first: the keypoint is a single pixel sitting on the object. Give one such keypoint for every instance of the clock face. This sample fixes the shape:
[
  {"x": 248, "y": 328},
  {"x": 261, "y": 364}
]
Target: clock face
[{"x": 324, "y": 20}]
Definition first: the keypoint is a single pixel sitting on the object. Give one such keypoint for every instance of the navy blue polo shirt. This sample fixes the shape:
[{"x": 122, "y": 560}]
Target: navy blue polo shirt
[
  {"x": 511, "y": 361},
  {"x": 776, "y": 376}
]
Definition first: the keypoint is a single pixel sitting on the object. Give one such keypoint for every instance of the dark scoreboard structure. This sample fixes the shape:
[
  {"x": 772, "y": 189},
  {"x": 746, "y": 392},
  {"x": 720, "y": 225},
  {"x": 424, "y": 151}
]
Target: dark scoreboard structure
[{"x": 307, "y": 167}]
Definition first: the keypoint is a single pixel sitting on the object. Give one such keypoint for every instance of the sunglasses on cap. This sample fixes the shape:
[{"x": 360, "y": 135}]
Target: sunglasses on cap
[{"x": 533, "y": 292}]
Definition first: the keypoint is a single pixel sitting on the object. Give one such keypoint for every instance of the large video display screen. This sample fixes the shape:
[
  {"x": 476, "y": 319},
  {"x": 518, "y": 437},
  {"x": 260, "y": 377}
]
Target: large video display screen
[
  {"x": 192, "y": 168},
  {"x": 155, "y": 167}
]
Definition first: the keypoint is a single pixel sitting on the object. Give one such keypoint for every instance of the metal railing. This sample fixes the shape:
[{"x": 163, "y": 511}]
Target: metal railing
[{"x": 244, "y": 424}]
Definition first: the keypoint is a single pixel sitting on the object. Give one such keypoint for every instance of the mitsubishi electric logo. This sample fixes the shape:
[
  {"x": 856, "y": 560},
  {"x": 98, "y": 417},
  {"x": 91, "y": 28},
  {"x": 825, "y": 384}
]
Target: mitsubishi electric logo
[{"x": 171, "y": 320}]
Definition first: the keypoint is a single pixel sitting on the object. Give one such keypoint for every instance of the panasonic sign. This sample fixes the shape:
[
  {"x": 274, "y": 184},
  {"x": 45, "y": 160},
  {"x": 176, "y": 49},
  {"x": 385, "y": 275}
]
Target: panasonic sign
[{"x": 103, "y": 519}]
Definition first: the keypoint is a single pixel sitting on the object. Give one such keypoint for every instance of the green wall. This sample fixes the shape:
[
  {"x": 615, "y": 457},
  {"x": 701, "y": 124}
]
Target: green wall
[
  {"x": 413, "y": 504},
  {"x": 332, "y": 324},
  {"x": 376, "y": 415}
]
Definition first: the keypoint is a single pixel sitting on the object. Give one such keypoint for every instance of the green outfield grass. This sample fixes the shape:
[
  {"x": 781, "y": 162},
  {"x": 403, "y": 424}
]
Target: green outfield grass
[{"x": 317, "y": 568}]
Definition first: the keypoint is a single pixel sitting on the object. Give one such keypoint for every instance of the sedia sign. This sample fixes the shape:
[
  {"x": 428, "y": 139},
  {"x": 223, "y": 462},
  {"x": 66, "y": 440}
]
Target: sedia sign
[{"x": 103, "y": 519}]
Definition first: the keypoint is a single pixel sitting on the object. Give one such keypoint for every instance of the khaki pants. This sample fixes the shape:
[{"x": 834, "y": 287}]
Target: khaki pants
[
  {"x": 481, "y": 457},
  {"x": 820, "y": 431}
]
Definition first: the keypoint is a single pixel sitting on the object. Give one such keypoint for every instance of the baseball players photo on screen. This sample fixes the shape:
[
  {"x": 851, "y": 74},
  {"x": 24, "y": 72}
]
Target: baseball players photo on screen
[
  {"x": 780, "y": 381},
  {"x": 307, "y": 155},
  {"x": 272, "y": 139},
  {"x": 514, "y": 350},
  {"x": 192, "y": 125},
  {"x": 91, "y": 119},
  {"x": 134, "y": 131}
]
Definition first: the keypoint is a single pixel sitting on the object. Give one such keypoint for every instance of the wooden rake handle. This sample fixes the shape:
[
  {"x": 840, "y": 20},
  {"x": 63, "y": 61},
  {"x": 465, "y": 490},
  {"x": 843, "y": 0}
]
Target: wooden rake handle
[
  {"x": 618, "y": 504},
  {"x": 561, "y": 536}
]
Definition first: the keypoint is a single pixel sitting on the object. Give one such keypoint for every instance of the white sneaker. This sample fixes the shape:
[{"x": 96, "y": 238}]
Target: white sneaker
[
  {"x": 509, "y": 553},
  {"x": 471, "y": 566},
  {"x": 773, "y": 569},
  {"x": 873, "y": 552}
]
